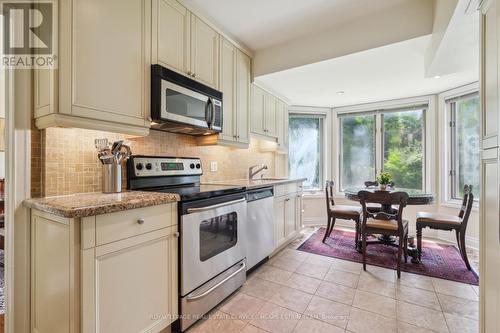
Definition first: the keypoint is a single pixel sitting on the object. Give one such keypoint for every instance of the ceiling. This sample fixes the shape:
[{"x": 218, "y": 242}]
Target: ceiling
[
  {"x": 384, "y": 73},
  {"x": 260, "y": 24}
]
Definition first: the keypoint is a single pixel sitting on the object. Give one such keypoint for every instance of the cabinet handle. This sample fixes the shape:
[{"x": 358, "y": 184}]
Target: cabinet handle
[
  {"x": 140, "y": 221},
  {"x": 238, "y": 136},
  {"x": 189, "y": 73},
  {"x": 177, "y": 234},
  {"x": 194, "y": 74}
]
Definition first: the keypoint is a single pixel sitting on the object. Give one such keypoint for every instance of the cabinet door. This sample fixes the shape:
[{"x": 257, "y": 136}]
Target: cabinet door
[
  {"x": 110, "y": 63},
  {"x": 204, "y": 52},
  {"x": 290, "y": 215},
  {"x": 171, "y": 35},
  {"x": 243, "y": 96},
  {"x": 298, "y": 211},
  {"x": 279, "y": 220},
  {"x": 126, "y": 284},
  {"x": 257, "y": 114},
  {"x": 228, "y": 88},
  {"x": 270, "y": 115},
  {"x": 490, "y": 171}
]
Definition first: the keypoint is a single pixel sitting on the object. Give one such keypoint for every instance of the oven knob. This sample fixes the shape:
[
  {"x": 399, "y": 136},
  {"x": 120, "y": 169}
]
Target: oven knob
[
  {"x": 191, "y": 165},
  {"x": 149, "y": 166},
  {"x": 198, "y": 165},
  {"x": 139, "y": 166}
]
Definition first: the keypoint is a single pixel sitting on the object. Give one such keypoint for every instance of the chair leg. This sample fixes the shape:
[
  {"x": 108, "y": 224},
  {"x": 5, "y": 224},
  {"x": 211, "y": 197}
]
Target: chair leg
[
  {"x": 400, "y": 252},
  {"x": 363, "y": 237},
  {"x": 463, "y": 250},
  {"x": 457, "y": 233},
  {"x": 331, "y": 226},
  {"x": 405, "y": 249},
  {"x": 356, "y": 237},
  {"x": 419, "y": 242},
  {"x": 327, "y": 228}
]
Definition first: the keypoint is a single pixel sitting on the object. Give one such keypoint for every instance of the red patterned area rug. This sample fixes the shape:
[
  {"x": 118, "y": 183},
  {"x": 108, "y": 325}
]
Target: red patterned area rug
[{"x": 438, "y": 260}]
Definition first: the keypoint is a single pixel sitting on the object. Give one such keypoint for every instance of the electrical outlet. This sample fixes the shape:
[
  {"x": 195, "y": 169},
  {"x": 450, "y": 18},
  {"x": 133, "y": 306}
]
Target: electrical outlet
[{"x": 213, "y": 166}]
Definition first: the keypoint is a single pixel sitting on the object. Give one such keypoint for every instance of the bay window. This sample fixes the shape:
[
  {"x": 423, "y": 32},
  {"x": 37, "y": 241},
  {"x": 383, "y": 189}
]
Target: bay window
[{"x": 392, "y": 140}]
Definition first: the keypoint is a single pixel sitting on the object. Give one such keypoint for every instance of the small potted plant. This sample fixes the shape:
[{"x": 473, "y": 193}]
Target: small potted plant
[{"x": 384, "y": 179}]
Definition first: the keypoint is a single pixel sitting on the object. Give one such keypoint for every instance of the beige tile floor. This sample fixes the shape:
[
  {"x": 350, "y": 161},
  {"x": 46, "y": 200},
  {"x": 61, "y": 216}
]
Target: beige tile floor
[{"x": 301, "y": 292}]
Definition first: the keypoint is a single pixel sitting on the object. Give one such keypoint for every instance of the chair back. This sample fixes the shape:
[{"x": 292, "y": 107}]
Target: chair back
[
  {"x": 329, "y": 194},
  {"x": 384, "y": 198},
  {"x": 466, "y": 208},
  {"x": 371, "y": 183}
]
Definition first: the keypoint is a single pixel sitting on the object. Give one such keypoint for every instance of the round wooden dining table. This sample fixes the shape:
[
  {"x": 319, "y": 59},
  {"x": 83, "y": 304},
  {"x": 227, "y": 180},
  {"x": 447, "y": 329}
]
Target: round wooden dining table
[{"x": 415, "y": 197}]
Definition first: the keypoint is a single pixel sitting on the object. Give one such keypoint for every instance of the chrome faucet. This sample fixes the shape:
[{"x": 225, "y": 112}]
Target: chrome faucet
[{"x": 252, "y": 173}]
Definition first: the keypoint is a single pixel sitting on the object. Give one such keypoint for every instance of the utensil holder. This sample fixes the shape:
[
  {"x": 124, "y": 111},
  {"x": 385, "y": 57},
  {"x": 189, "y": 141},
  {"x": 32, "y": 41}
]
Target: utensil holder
[{"x": 111, "y": 178}]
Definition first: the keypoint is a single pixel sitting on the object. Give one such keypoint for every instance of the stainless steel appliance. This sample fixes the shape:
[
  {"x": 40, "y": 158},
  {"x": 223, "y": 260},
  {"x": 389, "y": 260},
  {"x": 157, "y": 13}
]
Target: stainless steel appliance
[
  {"x": 212, "y": 225},
  {"x": 182, "y": 105},
  {"x": 260, "y": 225}
]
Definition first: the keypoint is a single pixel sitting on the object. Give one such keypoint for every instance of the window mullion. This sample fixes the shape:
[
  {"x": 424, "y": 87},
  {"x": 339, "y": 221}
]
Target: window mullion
[{"x": 379, "y": 143}]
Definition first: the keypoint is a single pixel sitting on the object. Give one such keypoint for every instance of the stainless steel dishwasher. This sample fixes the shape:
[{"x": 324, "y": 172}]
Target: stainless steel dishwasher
[{"x": 260, "y": 225}]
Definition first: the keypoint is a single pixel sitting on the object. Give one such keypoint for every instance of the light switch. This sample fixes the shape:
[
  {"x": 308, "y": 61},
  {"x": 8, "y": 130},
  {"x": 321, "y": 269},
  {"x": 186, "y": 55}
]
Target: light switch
[{"x": 213, "y": 166}]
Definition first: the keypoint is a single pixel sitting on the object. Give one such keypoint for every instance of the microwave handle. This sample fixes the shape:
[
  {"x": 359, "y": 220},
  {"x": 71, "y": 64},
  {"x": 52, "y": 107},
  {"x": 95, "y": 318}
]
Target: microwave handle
[{"x": 209, "y": 112}]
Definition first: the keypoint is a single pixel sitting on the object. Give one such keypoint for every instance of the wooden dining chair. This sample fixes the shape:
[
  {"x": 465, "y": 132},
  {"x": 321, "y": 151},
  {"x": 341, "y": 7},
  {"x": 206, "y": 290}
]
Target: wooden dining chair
[
  {"x": 340, "y": 212},
  {"x": 384, "y": 223},
  {"x": 448, "y": 222}
]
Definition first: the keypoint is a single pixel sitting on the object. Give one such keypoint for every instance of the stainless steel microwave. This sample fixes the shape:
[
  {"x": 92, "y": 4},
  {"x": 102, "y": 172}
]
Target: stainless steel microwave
[{"x": 182, "y": 105}]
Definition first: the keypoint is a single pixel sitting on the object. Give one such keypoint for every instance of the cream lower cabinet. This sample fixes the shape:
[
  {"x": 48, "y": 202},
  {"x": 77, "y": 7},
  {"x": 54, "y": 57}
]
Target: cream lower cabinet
[
  {"x": 103, "y": 74},
  {"x": 287, "y": 212},
  {"x": 109, "y": 273}
]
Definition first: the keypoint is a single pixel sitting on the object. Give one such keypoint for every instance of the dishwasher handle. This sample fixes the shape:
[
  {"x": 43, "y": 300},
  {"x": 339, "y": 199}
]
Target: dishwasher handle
[{"x": 259, "y": 194}]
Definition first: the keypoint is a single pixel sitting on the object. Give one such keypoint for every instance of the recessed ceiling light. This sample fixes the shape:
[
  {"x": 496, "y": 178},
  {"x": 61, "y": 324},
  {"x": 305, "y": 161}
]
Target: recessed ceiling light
[
  {"x": 340, "y": 93},
  {"x": 437, "y": 77}
]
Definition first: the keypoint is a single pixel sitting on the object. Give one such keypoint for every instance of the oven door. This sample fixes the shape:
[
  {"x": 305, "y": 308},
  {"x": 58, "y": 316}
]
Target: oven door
[
  {"x": 212, "y": 239},
  {"x": 185, "y": 106}
]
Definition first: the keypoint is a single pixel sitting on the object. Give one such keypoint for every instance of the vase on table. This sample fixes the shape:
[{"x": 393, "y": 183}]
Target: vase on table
[{"x": 383, "y": 187}]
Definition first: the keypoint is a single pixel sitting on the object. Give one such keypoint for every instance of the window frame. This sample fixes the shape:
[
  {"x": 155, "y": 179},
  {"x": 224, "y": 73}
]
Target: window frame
[
  {"x": 444, "y": 138},
  {"x": 340, "y": 138},
  {"x": 452, "y": 167},
  {"x": 430, "y": 134},
  {"x": 322, "y": 149}
]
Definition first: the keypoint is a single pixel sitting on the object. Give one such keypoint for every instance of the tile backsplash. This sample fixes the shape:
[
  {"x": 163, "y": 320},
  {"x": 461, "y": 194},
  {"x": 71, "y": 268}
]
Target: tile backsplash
[{"x": 65, "y": 160}]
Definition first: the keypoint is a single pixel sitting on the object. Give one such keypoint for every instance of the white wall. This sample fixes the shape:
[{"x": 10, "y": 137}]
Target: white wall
[{"x": 314, "y": 204}]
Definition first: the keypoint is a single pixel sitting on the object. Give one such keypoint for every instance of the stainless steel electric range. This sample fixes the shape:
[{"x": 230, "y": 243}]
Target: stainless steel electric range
[{"x": 212, "y": 222}]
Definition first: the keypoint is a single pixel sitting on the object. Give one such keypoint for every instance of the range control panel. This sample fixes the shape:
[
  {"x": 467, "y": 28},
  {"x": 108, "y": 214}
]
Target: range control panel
[{"x": 166, "y": 166}]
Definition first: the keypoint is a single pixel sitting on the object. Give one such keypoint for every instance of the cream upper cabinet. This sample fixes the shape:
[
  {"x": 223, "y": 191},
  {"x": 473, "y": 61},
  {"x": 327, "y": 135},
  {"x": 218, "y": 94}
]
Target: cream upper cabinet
[
  {"x": 235, "y": 71},
  {"x": 204, "y": 52},
  {"x": 243, "y": 77},
  {"x": 228, "y": 88},
  {"x": 257, "y": 114},
  {"x": 270, "y": 115},
  {"x": 267, "y": 118},
  {"x": 104, "y": 61},
  {"x": 282, "y": 126},
  {"x": 171, "y": 36},
  {"x": 185, "y": 43}
]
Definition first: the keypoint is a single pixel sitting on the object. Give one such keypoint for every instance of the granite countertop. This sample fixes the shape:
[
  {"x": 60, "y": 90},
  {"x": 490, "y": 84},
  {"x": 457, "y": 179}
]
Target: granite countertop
[
  {"x": 256, "y": 183},
  {"x": 90, "y": 204}
]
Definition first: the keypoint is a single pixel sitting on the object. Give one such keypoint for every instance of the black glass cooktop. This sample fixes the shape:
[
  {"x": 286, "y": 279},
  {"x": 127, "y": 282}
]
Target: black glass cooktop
[{"x": 197, "y": 191}]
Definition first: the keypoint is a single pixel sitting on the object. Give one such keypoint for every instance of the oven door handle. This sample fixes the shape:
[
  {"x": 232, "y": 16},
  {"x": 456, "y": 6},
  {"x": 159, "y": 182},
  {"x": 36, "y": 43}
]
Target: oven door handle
[
  {"x": 208, "y": 291},
  {"x": 203, "y": 209}
]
